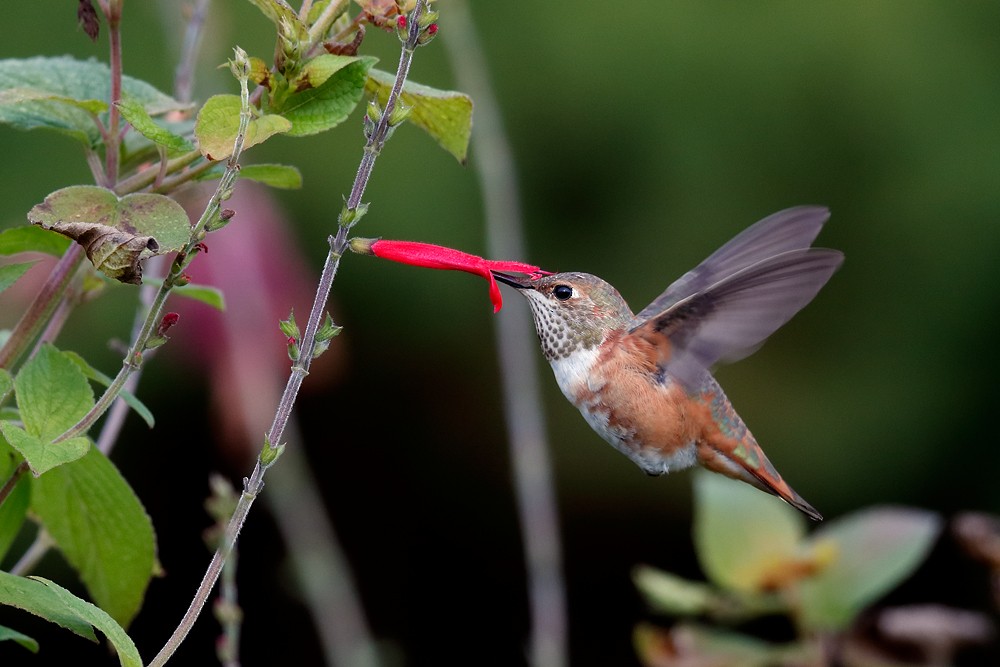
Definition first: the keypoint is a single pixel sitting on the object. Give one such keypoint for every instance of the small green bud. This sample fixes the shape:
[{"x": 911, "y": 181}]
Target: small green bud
[
  {"x": 427, "y": 19},
  {"x": 350, "y": 216},
  {"x": 240, "y": 64},
  {"x": 269, "y": 454},
  {"x": 293, "y": 349},
  {"x": 289, "y": 327},
  {"x": 328, "y": 329},
  {"x": 374, "y": 111},
  {"x": 399, "y": 113}
]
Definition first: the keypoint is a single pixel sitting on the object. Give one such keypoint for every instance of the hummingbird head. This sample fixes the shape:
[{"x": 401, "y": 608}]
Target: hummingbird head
[{"x": 572, "y": 310}]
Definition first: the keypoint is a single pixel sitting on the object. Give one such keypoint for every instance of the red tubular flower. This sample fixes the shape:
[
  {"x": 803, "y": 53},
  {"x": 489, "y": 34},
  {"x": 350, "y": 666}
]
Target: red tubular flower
[{"x": 439, "y": 257}]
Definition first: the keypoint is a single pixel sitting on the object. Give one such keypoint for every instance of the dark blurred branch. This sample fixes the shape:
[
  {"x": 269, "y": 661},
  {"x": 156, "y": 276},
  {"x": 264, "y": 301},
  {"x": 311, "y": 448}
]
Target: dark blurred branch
[{"x": 516, "y": 350}]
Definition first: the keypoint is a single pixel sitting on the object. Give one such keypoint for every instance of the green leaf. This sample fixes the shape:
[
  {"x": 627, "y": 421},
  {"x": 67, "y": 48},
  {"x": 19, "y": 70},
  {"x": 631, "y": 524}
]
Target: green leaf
[
  {"x": 32, "y": 239},
  {"x": 102, "y": 529},
  {"x": 143, "y": 123},
  {"x": 443, "y": 114},
  {"x": 41, "y": 454},
  {"x": 219, "y": 122},
  {"x": 63, "y": 94},
  {"x": 54, "y": 603},
  {"x": 95, "y": 375},
  {"x": 6, "y": 634},
  {"x": 875, "y": 549},
  {"x": 9, "y": 273},
  {"x": 325, "y": 106},
  {"x": 282, "y": 176},
  {"x": 15, "y": 508},
  {"x": 52, "y": 395},
  {"x": 6, "y": 382},
  {"x": 742, "y": 535},
  {"x": 116, "y": 233},
  {"x": 207, "y": 295},
  {"x": 667, "y": 593}
]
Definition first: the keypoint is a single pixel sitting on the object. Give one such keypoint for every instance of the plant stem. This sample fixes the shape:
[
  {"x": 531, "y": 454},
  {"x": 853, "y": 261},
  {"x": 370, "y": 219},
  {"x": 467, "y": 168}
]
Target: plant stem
[
  {"x": 148, "y": 176},
  {"x": 184, "y": 74},
  {"x": 42, "y": 308},
  {"x": 517, "y": 352},
  {"x": 253, "y": 484},
  {"x": 114, "y": 119}
]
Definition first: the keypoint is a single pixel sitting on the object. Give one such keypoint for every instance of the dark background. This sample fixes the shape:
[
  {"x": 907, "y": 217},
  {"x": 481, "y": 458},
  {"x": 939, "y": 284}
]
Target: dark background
[{"x": 646, "y": 135}]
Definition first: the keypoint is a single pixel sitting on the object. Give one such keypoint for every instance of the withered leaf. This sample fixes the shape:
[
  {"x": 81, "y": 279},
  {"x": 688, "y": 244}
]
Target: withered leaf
[
  {"x": 114, "y": 252},
  {"x": 116, "y": 233}
]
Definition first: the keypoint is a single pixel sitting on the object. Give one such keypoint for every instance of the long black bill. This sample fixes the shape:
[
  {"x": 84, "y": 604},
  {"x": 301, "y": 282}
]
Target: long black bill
[{"x": 520, "y": 282}]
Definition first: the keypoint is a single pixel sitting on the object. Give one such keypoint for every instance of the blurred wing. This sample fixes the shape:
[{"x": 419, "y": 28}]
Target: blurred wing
[
  {"x": 791, "y": 229},
  {"x": 730, "y": 319}
]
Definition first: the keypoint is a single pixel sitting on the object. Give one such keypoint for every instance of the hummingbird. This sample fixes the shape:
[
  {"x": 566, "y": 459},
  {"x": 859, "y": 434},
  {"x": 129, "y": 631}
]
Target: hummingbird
[{"x": 643, "y": 381}]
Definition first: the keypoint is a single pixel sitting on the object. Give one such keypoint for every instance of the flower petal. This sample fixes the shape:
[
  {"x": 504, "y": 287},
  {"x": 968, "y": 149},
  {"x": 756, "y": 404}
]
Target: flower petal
[{"x": 433, "y": 256}]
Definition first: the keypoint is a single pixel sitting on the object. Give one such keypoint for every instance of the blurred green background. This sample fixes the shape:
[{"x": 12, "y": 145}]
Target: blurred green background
[{"x": 646, "y": 135}]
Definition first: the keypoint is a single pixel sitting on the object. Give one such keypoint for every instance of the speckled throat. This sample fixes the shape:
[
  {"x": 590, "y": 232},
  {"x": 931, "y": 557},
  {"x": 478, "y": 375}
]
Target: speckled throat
[{"x": 563, "y": 329}]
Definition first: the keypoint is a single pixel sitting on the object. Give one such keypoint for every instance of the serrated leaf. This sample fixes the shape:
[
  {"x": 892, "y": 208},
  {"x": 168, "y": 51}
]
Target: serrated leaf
[
  {"x": 63, "y": 93},
  {"x": 742, "y": 535},
  {"x": 41, "y": 454},
  {"x": 15, "y": 508},
  {"x": 218, "y": 124},
  {"x": 102, "y": 529},
  {"x": 875, "y": 550},
  {"x": 143, "y": 123},
  {"x": 32, "y": 239},
  {"x": 97, "y": 376},
  {"x": 52, "y": 393},
  {"x": 445, "y": 115},
  {"x": 10, "y": 273},
  {"x": 117, "y": 234},
  {"x": 318, "y": 109},
  {"x": 282, "y": 176},
  {"x": 54, "y": 603},
  {"x": 7, "y": 634}
]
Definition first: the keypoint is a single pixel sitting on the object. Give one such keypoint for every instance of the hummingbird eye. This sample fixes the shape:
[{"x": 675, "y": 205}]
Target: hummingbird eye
[{"x": 562, "y": 292}]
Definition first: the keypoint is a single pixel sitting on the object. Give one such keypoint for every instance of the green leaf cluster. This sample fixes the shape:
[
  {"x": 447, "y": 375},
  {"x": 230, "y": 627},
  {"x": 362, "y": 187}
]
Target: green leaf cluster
[
  {"x": 759, "y": 560},
  {"x": 79, "y": 497}
]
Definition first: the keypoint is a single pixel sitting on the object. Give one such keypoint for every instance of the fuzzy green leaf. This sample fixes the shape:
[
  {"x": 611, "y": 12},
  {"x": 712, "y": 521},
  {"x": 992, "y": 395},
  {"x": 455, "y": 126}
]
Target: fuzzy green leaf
[
  {"x": 7, "y": 634},
  {"x": 52, "y": 393},
  {"x": 219, "y": 122},
  {"x": 15, "y": 508},
  {"x": 28, "y": 238},
  {"x": 445, "y": 115},
  {"x": 63, "y": 94},
  {"x": 6, "y": 382},
  {"x": 143, "y": 123},
  {"x": 741, "y": 534},
  {"x": 95, "y": 375},
  {"x": 42, "y": 454},
  {"x": 875, "y": 549},
  {"x": 101, "y": 527},
  {"x": 54, "y": 603},
  {"x": 340, "y": 88},
  {"x": 116, "y": 233},
  {"x": 10, "y": 273}
]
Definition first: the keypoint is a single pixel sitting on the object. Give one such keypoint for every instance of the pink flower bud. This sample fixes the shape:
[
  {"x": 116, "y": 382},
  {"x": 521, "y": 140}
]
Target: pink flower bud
[{"x": 169, "y": 320}]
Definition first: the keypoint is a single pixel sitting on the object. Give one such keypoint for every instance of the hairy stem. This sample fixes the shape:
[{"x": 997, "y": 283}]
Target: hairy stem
[
  {"x": 253, "y": 484},
  {"x": 184, "y": 74},
  {"x": 46, "y": 302}
]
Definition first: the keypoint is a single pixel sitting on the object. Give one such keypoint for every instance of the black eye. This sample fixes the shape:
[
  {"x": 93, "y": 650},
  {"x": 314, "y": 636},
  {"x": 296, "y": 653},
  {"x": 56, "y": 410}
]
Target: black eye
[{"x": 562, "y": 292}]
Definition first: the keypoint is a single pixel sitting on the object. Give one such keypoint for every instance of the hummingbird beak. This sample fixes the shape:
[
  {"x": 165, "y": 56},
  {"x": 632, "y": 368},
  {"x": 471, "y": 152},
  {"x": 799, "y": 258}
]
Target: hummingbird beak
[{"x": 519, "y": 282}]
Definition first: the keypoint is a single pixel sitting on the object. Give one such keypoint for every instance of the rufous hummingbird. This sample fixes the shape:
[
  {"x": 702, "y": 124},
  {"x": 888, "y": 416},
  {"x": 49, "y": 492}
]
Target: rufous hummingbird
[{"x": 643, "y": 381}]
